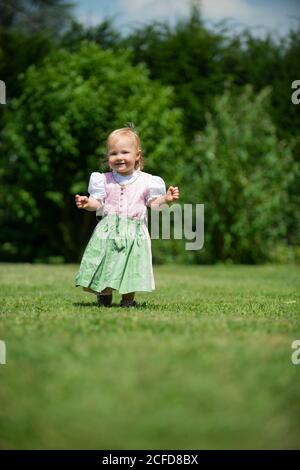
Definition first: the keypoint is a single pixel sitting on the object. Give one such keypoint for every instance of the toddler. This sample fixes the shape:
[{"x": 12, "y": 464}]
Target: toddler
[{"x": 118, "y": 255}]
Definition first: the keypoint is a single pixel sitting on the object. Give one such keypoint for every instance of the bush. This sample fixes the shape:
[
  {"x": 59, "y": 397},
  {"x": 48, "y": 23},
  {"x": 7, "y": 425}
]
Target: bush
[
  {"x": 55, "y": 137},
  {"x": 241, "y": 172}
]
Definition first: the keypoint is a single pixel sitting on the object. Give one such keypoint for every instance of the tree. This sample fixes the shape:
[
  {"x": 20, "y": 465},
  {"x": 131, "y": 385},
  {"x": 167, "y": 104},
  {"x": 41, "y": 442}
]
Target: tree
[
  {"x": 103, "y": 34},
  {"x": 54, "y": 139},
  {"x": 29, "y": 29},
  {"x": 242, "y": 173},
  {"x": 32, "y": 16},
  {"x": 194, "y": 52}
]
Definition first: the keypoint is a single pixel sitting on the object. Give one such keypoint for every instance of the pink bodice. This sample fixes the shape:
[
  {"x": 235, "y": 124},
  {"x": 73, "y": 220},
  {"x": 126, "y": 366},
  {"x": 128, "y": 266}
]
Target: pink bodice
[{"x": 127, "y": 199}]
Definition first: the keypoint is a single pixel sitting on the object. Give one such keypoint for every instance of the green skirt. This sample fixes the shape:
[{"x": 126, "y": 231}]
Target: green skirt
[{"x": 118, "y": 255}]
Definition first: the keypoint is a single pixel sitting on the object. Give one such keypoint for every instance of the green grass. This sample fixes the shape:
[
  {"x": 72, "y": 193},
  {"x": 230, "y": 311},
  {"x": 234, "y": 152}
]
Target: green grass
[{"x": 205, "y": 362}]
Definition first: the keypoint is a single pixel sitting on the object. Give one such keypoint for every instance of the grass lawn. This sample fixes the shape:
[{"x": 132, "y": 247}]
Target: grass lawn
[{"x": 204, "y": 362}]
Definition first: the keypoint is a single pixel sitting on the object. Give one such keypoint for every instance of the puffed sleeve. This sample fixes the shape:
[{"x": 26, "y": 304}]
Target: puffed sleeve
[
  {"x": 96, "y": 187},
  {"x": 157, "y": 188}
]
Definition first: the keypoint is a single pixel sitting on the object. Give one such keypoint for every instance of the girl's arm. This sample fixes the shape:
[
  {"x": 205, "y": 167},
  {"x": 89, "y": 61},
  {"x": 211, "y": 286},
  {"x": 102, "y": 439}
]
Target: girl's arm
[
  {"x": 171, "y": 195},
  {"x": 87, "y": 203}
]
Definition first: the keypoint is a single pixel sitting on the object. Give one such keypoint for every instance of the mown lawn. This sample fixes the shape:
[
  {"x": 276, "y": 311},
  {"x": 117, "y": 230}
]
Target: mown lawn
[{"x": 204, "y": 362}]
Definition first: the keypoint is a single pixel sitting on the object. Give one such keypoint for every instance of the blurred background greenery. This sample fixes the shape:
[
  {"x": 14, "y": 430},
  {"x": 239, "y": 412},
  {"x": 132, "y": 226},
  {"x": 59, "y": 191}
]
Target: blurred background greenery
[{"x": 213, "y": 110}]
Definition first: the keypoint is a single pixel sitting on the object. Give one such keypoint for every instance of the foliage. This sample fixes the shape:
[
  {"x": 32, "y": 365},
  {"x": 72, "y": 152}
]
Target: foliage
[
  {"x": 55, "y": 137},
  {"x": 17, "y": 53},
  {"x": 32, "y": 16},
  {"x": 104, "y": 34},
  {"x": 194, "y": 52},
  {"x": 241, "y": 172},
  {"x": 51, "y": 127}
]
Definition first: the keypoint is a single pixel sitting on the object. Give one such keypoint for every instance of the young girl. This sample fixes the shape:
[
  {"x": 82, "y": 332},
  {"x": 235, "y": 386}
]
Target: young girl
[{"x": 118, "y": 255}]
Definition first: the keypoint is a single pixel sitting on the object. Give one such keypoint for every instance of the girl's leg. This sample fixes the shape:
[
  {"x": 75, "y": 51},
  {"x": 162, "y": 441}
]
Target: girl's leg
[
  {"x": 129, "y": 296},
  {"x": 128, "y": 300},
  {"x": 105, "y": 297},
  {"x": 106, "y": 291}
]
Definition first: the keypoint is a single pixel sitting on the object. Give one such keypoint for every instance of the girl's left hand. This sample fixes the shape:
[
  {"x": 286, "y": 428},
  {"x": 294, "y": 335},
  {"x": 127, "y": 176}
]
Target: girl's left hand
[{"x": 172, "y": 194}]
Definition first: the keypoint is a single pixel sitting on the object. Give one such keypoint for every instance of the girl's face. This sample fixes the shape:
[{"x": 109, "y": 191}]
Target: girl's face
[{"x": 123, "y": 154}]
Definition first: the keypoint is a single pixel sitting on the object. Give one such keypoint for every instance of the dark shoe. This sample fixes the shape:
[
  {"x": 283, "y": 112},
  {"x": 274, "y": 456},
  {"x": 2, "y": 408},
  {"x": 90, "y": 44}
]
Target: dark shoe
[
  {"x": 104, "y": 300},
  {"x": 128, "y": 303}
]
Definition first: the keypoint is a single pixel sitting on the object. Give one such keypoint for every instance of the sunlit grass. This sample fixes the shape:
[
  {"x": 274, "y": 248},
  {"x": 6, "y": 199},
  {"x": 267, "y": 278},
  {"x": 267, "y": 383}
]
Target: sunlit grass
[{"x": 204, "y": 362}]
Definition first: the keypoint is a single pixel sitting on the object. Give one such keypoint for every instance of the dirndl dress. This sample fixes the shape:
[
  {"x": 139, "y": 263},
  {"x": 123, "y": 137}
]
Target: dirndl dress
[{"x": 118, "y": 254}]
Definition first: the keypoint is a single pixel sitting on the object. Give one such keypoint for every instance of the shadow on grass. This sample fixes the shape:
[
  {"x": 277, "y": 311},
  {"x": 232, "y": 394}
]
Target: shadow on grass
[{"x": 140, "y": 305}]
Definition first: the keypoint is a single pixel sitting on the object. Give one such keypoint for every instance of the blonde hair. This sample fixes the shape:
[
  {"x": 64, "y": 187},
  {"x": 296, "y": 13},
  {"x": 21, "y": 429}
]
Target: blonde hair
[{"x": 131, "y": 131}]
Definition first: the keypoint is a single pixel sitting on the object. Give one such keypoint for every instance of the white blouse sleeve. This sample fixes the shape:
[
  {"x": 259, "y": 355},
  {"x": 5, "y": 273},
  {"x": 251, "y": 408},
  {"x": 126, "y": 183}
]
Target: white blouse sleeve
[
  {"x": 157, "y": 188},
  {"x": 96, "y": 186}
]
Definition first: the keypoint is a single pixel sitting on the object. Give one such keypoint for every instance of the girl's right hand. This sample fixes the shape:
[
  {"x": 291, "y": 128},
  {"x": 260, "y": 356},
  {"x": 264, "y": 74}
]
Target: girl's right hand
[{"x": 81, "y": 201}]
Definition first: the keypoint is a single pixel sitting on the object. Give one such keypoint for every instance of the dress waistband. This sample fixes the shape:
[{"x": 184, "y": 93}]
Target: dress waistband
[{"x": 120, "y": 218}]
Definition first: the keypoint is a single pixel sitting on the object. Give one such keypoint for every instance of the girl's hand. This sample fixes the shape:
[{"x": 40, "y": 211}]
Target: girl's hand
[
  {"x": 172, "y": 194},
  {"x": 81, "y": 201}
]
